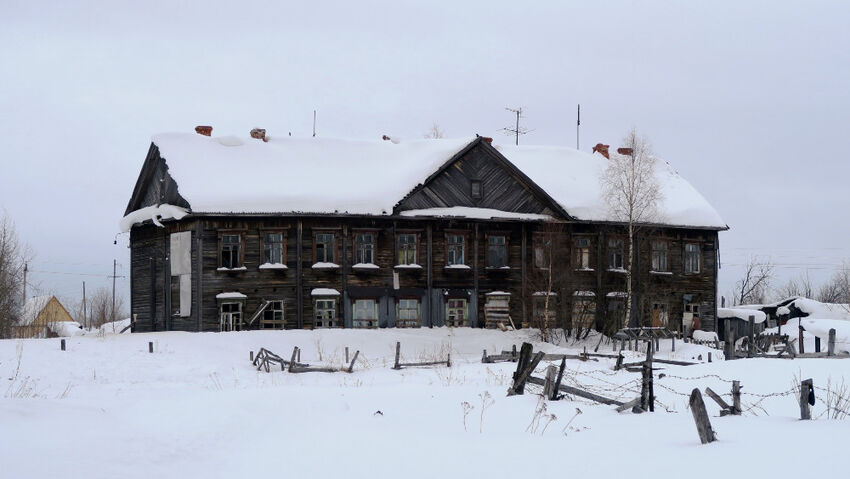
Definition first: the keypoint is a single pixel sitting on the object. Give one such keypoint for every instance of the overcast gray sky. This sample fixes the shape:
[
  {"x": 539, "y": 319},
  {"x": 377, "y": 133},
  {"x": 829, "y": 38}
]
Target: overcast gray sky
[{"x": 747, "y": 100}]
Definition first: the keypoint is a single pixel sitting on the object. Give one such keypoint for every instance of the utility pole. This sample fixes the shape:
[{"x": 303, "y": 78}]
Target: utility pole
[
  {"x": 85, "y": 313},
  {"x": 578, "y": 124},
  {"x": 114, "y": 264},
  {"x": 516, "y": 131}
]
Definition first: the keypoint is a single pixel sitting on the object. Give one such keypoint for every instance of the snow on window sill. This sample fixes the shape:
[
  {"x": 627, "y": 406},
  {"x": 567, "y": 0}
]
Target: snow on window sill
[
  {"x": 273, "y": 266},
  {"x": 617, "y": 270},
  {"x": 322, "y": 265},
  {"x": 498, "y": 268},
  {"x": 241, "y": 268},
  {"x": 462, "y": 267},
  {"x": 365, "y": 266},
  {"x": 585, "y": 269},
  {"x": 407, "y": 266},
  {"x": 662, "y": 273}
]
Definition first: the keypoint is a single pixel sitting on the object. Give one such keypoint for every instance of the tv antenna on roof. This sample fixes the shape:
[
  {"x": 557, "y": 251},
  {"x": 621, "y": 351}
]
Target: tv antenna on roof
[{"x": 517, "y": 130}]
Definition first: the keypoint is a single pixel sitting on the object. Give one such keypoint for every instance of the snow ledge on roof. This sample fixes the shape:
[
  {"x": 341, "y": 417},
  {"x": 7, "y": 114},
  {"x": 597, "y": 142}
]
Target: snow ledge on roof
[
  {"x": 324, "y": 292},
  {"x": 230, "y": 295},
  {"x": 474, "y": 213},
  {"x": 154, "y": 213}
]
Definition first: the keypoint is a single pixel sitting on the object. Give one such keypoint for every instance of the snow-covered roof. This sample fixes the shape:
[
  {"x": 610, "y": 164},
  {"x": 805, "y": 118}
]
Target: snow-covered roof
[
  {"x": 816, "y": 309},
  {"x": 322, "y": 175},
  {"x": 742, "y": 314}
]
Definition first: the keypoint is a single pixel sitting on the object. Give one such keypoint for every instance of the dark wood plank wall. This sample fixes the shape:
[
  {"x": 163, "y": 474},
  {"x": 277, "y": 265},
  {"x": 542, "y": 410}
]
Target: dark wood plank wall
[
  {"x": 501, "y": 190},
  {"x": 258, "y": 285}
]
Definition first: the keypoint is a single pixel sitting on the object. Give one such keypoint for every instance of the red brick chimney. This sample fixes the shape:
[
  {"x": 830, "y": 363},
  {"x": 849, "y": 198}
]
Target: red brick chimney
[
  {"x": 625, "y": 151},
  {"x": 601, "y": 149},
  {"x": 203, "y": 130},
  {"x": 259, "y": 134},
  {"x": 487, "y": 139}
]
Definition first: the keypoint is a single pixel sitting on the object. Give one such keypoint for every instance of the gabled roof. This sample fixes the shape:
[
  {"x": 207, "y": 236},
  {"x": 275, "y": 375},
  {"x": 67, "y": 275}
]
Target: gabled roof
[
  {"x": 34, "y": 306},
  {"x": 326, "y": 176}
]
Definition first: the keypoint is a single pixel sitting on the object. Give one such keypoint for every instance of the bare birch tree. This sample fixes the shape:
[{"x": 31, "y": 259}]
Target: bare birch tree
[
  {"x": 753, "y": 286},
  {"x": 12, "y": 259},
  {"x": 633, "y": 195},
  {"x": 434, "y": 132}
]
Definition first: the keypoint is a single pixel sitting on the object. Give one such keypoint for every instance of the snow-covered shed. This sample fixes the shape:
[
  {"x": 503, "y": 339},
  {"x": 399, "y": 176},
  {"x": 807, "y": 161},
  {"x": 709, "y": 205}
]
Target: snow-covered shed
[{"x": 45, "y": 317}]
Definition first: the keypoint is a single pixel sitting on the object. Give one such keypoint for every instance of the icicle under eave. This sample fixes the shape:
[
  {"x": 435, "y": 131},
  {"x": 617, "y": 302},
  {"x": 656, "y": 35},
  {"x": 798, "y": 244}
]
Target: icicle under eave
[{"x": 155, "y": 213}]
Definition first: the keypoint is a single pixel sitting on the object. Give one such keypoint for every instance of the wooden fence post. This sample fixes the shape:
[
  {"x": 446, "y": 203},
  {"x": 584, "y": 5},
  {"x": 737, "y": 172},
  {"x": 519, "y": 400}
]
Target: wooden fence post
[
  {"x": 346, "y": 354},
  {"x": 751, "y": 347},
  {"x": 706, "y": 434},
  {"x": 62, "y": 344},
  {"x": 709, "y": 356},
  {"x": 560, "y": 378},
  {"x": 817, "y": 344},
  {"x": 150, "y": 346},
  {"x": 397, "y": 354},
  {"x": 291, "y": 360},
  {"x": 736, "y": 398},
  {"x": 549, "y": 388},
  {"x": 673, "y": 343},
  {"x": 800, "y": 338},
  {"x": 730, "y": 341},
  {"x": 806, "y": 398},
  {"x": 252, "y": 356},
  {"x": 830, "y": 345},
  {"x": 353, "y": 360}
]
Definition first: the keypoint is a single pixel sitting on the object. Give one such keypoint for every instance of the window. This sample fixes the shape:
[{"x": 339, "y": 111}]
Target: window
[
  {"x": 659, "y": 256},
  {"x": 497, "y": 251},
  {"x": 456, "y": 313},
  {"x": 690, "y": 318},
  {"x": 615, "y": 254},
  {"x": 692, "y": 258},
  {"x": 406, "y": 248},
  {"x": 408, "y": 313},
  {"x": 658, "y": 314},
  {"x": 365, "y": 313},
  {"x": 497, "y": 309},
  {"x": 324, "y": 247},
  {"x": 454, "y": 255},
  {"x": 543, "y": 313},
  {"x": 325, "y": 311},
  {"x": 475, "y": 190},
  {"x": 273, "y": 248},
  {"x": 616, "y": 312},
  {"x": 542, "y": 251},
  {"x": 231, "y": 251},
  {"x": 273, "y": 316},
  {"x": 582, "y": 252},
  {"x": 231, "y": 317},
  {"x": 364, "y": 244},
  {"x": 584, "y": 312}
]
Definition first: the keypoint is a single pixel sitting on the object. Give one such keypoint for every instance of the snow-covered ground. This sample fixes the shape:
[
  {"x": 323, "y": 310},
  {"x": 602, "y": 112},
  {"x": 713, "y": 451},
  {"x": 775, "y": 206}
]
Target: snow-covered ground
[{"x": 197, "y": 408}]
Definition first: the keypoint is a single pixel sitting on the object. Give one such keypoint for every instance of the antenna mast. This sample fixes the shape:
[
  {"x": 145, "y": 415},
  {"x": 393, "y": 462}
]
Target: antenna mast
[{"x": 516, "y": 131}]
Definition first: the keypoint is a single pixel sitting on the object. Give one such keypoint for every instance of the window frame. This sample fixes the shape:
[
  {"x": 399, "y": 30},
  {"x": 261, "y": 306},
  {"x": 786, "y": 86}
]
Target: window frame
[
  {"x": 464, "y": 236},
  {"x": 221, "y": 312},
  {"x": 653, "y": 251},
  {"x": 505, "y": 245},
  {"x": 464, "y": 320},
  {"x": 241, "y": 245},
  {"x": 355, "y": 322},
  {"x": 583, "y": 252},
  {"x": 280, "y": 323},
  {"x": 537, "y": 239},
  {"x": 398, "y": 250},
  {"x": 616, "y": 250},
  {"x": 358, "y": 244},
  {"x": 332, "y": 249},
  {"x": 687, "y": 258},
  {"x": 334, "y": 320},
  {"x": 472, "y": 189},
  {"x": 399, "y": 322},
  {"x": 588, "y": 302},
  {"x": 283, "y": 244}
]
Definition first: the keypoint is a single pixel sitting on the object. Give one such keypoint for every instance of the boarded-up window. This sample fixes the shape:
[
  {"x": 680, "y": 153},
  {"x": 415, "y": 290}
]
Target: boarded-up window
[{"x": 180, "y": 258}]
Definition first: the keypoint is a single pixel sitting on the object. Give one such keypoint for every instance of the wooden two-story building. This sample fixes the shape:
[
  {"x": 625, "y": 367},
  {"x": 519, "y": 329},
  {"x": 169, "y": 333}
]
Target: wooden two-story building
[{"x": 232, "y": 233}]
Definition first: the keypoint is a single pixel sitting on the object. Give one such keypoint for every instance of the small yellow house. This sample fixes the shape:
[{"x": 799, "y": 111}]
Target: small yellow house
[{"x": 45, "y": 317}]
